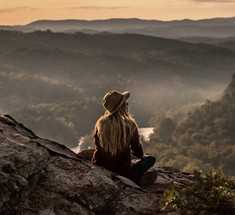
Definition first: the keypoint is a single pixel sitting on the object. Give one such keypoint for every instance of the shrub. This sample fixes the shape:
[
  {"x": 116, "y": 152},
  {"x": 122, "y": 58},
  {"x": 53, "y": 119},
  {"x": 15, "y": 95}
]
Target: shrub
[{"x": 211, "y": 193}]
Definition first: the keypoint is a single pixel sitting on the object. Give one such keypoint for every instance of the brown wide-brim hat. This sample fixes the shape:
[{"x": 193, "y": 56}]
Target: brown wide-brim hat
[{"x": 113, "y": 100}]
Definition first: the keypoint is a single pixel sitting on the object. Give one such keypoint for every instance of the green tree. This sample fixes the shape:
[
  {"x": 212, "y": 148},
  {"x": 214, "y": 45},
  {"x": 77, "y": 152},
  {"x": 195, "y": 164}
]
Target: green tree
[{"x": 211, "y": 193}]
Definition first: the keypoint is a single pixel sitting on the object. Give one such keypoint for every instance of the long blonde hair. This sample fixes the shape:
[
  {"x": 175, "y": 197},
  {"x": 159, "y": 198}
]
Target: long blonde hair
[{"x": 112, "y": 129}]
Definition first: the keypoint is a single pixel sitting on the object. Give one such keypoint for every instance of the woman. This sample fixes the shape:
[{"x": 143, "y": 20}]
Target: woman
[{"x": 116, "y": 138}]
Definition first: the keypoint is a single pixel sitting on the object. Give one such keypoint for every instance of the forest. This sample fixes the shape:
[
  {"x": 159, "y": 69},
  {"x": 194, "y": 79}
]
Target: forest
[
  {"x": 54, "y": 83},
  {"x": 199, "y": 136},
  {"x": 203, "y": 140}
]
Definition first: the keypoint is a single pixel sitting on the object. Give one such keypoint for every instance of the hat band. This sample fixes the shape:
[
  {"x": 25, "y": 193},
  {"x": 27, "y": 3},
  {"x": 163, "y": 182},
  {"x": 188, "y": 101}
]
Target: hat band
[{"x": 117, "y": 104}]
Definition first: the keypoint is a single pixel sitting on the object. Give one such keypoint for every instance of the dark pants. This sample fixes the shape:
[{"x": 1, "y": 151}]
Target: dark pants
[{"x": 140, "y": 167}]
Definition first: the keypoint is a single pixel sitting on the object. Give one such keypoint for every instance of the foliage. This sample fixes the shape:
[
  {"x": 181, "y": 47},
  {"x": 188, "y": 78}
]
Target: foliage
[
  {"x": 68, "y": 74},
  {"x": 63, "y": 122},
  {"x": 165, "y": 122},
  {"x": 57, "y": 70},
  {"x": 205, "y": 139},
  {"x": 211, "y": 193}
]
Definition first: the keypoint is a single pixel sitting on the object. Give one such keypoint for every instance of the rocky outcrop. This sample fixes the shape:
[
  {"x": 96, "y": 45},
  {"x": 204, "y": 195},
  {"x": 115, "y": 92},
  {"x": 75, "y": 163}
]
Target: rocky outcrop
[{"x": 39, "y": 176}]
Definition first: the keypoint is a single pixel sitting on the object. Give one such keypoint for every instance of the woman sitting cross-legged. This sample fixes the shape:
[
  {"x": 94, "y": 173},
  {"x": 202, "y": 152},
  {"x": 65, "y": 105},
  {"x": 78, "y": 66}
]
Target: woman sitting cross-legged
[{"x": 116, "y": 138}]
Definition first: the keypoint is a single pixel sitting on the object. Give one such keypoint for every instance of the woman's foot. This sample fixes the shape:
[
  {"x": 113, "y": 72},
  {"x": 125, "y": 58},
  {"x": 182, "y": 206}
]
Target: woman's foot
[{"x": 148, "y": 177}]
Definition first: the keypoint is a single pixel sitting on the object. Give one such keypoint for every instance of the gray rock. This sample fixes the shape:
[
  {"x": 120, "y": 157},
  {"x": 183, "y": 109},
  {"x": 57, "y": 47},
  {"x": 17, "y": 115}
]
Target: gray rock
[{"x": 39, "y": 176}]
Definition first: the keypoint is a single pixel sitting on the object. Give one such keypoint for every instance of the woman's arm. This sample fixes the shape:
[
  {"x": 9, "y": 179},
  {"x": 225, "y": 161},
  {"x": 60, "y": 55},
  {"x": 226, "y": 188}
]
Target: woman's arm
[{"x": 135, "y": 145}]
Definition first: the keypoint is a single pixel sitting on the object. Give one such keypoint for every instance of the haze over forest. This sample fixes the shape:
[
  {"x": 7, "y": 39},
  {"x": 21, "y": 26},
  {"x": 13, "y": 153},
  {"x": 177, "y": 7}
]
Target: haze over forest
[{"x": 53, "y": 74}]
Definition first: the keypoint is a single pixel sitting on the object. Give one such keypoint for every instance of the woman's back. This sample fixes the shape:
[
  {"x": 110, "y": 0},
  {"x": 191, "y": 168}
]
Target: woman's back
[
  {"x": 120, "y": 162},
  {"x": 116, "y": 138}
]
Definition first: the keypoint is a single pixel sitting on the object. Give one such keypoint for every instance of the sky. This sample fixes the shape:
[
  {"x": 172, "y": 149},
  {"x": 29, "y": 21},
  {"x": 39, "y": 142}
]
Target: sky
[{"x": 21, "y": 12}]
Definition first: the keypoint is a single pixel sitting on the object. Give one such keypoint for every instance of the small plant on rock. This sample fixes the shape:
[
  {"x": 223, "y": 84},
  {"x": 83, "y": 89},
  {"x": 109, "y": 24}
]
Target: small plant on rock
[{"x": 211, "y": 193}]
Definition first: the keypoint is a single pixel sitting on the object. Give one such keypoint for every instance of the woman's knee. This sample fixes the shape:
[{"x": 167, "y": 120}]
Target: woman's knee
[
  {"x": 152, "y": 159},
  {"x": 149, "y": 159}
]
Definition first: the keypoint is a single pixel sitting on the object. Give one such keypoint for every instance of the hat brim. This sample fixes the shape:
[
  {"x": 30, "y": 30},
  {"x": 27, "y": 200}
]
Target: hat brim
[{"x": 125, "y": 96}]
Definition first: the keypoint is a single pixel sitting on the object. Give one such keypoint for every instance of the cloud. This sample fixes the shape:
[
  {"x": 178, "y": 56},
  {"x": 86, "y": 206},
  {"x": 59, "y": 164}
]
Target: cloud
[
  {"x": 96, "y": 8},
  {"x": 15, "y": 9},
  {"x": 215, "y": 1}
]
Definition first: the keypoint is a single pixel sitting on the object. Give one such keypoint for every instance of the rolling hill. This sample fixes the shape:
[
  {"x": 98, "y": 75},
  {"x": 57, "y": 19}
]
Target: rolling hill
[{"x": 51, "y": 75}]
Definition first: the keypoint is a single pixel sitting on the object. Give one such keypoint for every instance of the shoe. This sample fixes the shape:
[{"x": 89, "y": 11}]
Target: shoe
[{"x": 148, "y": 177}]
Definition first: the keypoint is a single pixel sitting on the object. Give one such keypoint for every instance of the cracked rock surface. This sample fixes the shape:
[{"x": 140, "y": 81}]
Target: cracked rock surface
[{"x": 39, "y": 176}]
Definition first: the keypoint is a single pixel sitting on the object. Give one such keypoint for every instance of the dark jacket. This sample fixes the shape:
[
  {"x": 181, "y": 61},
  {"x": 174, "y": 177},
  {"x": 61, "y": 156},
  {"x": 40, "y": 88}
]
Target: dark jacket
[{"x": 121, "y": 162}]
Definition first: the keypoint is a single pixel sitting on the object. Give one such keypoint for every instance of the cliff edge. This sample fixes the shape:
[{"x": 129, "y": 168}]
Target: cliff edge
[{"x": 39, "y": 176}]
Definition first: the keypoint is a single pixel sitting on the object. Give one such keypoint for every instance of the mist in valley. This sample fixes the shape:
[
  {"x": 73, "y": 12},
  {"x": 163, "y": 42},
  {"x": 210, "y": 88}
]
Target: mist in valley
[
  {"x": 55, "y": 81},
  {"x": 54, "y": 84}
]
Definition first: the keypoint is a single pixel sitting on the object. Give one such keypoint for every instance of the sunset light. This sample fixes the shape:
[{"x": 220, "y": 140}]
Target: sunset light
[{"x": 23, "y": 12}]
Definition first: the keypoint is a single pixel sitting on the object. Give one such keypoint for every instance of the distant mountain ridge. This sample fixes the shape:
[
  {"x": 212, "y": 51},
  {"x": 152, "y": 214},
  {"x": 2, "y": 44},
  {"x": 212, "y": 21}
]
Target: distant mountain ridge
[
  {"x": 216, "y": 27},
  {"x": 132, "y": 21}
]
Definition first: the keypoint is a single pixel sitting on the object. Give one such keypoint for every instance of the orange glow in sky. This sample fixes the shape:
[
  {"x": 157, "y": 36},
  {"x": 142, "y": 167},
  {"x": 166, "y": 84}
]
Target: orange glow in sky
[{"x": 14, "y": 12}]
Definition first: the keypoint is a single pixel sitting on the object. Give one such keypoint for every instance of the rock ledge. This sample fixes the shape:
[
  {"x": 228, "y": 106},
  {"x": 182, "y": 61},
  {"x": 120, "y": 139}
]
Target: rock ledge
[{"x": 39, "y": 176}]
